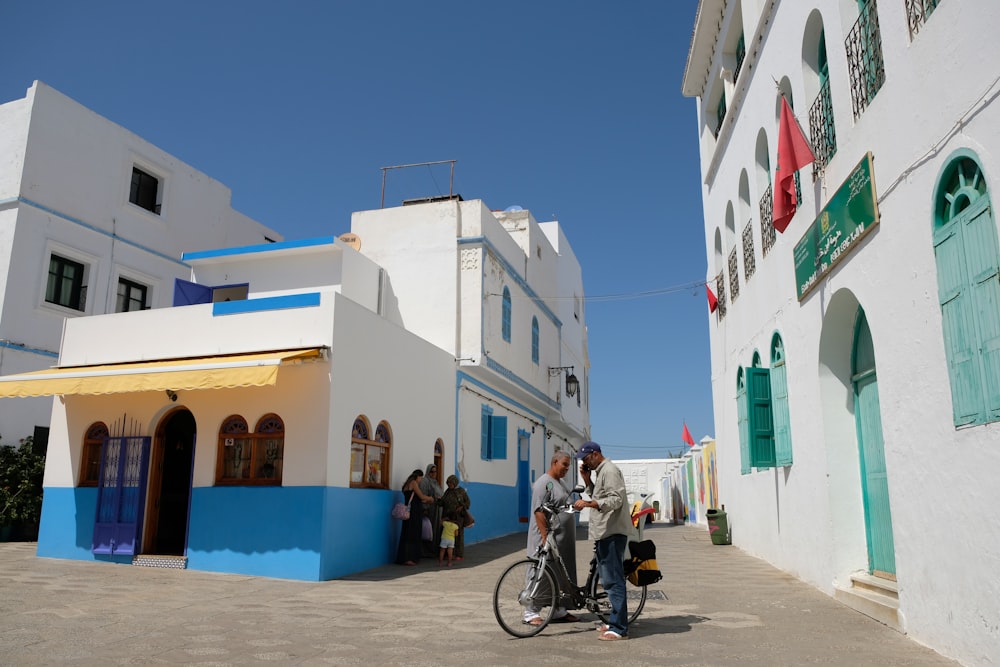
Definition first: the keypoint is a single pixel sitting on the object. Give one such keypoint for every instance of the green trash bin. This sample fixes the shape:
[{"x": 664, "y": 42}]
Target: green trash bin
[{"x": 718, "y": 526}]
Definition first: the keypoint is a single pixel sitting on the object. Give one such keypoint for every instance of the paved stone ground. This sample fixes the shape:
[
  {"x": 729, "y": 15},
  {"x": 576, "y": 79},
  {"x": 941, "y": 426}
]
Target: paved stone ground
[{"x": 731, "y": 609}]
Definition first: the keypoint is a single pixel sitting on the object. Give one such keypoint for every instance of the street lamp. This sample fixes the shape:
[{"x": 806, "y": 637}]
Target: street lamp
[{"x": 572, "y": 384}]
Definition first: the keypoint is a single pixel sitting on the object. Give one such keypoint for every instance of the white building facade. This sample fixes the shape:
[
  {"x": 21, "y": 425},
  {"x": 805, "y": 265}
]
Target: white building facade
[
  {"x": 93, "y": 219},
  {"x": 855, "y": 380},
  {"x": 284, "y": 398}
]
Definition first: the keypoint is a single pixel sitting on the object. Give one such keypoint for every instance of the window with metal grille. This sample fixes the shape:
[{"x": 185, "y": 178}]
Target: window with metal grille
[
  {"x": 145, "y": 190},
  {"x": 917, "y": 13},
  {"x": 734, "y": 275},
  {"x": 720, "y": 293},
  {"x": 864, "y": 57},
  {"x": 767, "y": 234},
  {"x": 65, "y": 284},
  {"x": 131, "y": 296},
  {"x": 749, "y": 259}
]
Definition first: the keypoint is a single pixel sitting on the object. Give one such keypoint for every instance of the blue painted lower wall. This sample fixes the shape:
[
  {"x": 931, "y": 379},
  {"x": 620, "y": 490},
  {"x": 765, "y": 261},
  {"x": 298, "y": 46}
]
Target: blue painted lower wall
[{"x": 308, "y": 533}]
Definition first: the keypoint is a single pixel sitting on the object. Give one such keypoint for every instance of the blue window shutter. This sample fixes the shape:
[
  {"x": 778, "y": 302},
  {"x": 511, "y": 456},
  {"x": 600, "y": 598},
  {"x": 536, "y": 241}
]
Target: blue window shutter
[
  {"x": 782, "y": 426},
  {"x": 505, "y": 324},
  {"x": 984, "y": 270},
  {"x": 498, "y": 437},
  {"x": 958, "y": 326},
  {"x": 187, "y": 293},
  {"x": 534, "y": 339},
  {"x": 485, "y": 434},
  {"x": 760, "y": 417},
  {"x": 743, "y": 427}
]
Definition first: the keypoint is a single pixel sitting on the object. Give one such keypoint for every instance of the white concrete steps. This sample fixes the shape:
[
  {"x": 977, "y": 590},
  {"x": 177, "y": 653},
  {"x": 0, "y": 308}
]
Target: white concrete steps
[{"x": 875, "y": 597}]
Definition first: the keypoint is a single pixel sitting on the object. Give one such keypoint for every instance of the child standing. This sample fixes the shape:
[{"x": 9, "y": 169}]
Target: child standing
[{"x": 449, "y": 528}]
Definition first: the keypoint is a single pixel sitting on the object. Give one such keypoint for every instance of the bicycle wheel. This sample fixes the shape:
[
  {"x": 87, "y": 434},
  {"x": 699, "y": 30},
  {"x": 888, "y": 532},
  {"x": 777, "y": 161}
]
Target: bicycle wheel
[
  {"x": 635, "y": 602},
  {"x": 524, "y": 590}
]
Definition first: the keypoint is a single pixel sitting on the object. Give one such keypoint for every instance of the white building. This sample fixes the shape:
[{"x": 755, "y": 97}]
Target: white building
[
  {"x": 93, "y": 220},
  {"x": 855, "y": 379},
  {"x": 282, "y": 409}
]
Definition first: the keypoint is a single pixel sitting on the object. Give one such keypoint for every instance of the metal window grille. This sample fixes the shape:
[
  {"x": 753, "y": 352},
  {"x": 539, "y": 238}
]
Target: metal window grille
[
  {"x": 917, "y": 13},
  {"x": 720, "y": 293},
  {"x": 749, "y": 262},
  {"x": 821, "y": 129},
  {"x": 864, "y": 58},
  {"x": 734, "y": 275},
  {"x": 741, "y": 52},
  {"x": 767, "y": 233}
]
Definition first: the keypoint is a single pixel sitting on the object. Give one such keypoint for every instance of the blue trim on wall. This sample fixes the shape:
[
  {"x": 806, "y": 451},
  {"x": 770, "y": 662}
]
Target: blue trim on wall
[
  {"x": 284, "y": 302},
  {"x": 260, "y": 247},
  {"x": 77, "y": 221},
  {"x": 25, "y": 348},
  {"x": 473, "y": 240}
]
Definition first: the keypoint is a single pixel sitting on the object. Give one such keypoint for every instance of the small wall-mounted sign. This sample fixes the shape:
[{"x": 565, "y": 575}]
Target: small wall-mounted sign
[{"x": 353, "y": 240}]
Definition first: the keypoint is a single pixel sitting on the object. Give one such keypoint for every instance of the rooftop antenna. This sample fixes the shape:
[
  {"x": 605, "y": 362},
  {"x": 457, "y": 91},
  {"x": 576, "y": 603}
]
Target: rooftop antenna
[{"x": 451, "y": 181}]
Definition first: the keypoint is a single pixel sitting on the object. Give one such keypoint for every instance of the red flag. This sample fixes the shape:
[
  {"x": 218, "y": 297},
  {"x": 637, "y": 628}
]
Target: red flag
[
  {"x": 713, "y": 303},
  {"x": 686, "y": 436},
  {"x": 793, "y": 154}
]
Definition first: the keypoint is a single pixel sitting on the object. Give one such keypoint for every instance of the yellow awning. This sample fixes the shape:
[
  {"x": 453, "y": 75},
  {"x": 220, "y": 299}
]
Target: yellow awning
[{"x": 239, "y": 370}]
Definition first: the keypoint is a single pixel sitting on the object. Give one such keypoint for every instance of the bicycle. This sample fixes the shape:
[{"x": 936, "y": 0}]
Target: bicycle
[{"x": 542, "y": 583}]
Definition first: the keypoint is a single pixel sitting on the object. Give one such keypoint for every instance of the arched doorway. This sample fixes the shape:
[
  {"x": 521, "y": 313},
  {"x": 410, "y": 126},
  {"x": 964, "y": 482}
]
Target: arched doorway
[
  {"x": 871, "y": 449},
  {"x": 170, "y": 485}
]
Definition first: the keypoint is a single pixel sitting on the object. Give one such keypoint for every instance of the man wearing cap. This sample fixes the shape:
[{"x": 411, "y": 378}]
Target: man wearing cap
[{"x": 609, "y": 527}]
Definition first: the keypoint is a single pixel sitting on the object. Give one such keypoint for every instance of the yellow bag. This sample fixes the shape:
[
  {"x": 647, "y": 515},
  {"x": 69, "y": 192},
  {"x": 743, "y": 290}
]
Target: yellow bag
[{"x": 645, "y": 573}]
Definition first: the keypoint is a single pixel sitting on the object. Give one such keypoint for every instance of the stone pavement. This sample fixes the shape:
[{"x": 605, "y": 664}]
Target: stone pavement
[{"x": 718, "y": 606}]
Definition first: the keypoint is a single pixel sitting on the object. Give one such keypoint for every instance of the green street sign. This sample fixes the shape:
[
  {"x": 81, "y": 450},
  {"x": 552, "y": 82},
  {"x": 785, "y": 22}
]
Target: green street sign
[{"x": 850, "y": 214}]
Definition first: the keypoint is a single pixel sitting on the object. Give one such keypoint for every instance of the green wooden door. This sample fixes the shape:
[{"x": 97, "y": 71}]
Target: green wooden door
[{"x": 874, "y": 478}]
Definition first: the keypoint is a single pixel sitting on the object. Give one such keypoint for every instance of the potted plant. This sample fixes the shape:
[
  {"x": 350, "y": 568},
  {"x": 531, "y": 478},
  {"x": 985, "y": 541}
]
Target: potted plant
[{"x": 21, "y": 471}]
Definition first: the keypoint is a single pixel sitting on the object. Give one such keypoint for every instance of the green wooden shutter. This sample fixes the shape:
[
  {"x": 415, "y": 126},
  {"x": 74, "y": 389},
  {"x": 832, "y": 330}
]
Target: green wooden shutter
[
  {"x": 743, "y": 426},
  {"x": 485, "y": 433},
  {"x": 498, "y": 438},
  {"x": 980, "y": 240},
  {"x": 760, "y": 417},
  {"x": 958, "y": 326},
  {"x": 779, "y": 404}
]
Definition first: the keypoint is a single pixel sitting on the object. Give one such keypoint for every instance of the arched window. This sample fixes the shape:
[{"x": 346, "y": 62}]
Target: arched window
[
  {"x": 234, "y": 451},
  {"x": 779, "y": 404},
  {"x": 968, "y": 268},
  {"x": 247, "y": 458},
  {"x": 534, "y": 339},
  {"x": 269, "y": 448},
  {"x": 756, "y": 422},
  {"x": 505, "y": 315},
  {"x": 370, "y": 455},
  {"x": 90, "y": 460}
]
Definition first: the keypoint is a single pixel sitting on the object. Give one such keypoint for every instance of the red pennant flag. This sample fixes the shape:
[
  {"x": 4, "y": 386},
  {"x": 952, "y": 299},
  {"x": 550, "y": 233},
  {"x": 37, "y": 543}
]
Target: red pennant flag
[
  {"x": 713, "y": 303},
  {"x": 686, "y": 436},
  {"x": 793, "y": 154}
]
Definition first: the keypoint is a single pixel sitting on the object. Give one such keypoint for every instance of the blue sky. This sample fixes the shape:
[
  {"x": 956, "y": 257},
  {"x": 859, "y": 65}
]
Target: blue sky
[{"x": 569, "y": 109}]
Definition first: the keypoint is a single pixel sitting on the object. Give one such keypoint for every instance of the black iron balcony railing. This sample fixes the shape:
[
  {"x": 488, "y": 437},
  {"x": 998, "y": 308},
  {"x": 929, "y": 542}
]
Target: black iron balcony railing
[
  {"x": 767, "y": 233},
  {"x": 864, "y": 58},
  {"x": 821, "y": 129},
  {"x": 749, "y": 261}
]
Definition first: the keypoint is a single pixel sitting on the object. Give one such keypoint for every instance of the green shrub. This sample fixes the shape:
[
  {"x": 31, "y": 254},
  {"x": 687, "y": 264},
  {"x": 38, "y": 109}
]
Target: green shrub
[{"x": 21, "y": 471}]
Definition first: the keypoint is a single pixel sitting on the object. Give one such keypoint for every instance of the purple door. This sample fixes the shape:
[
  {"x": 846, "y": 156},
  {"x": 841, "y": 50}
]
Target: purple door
[{"x": 121, "y": 494}]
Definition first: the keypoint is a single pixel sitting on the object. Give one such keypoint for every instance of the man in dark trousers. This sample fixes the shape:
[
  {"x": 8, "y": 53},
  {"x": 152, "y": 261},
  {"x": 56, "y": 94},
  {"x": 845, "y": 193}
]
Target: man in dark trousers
[{"x": 609, "y": 526}]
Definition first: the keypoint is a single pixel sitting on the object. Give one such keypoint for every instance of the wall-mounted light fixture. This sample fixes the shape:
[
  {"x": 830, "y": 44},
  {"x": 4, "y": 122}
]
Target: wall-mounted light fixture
[
  {"x": 572, "y": 384},
  {"x": 172, "y": 395}
]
